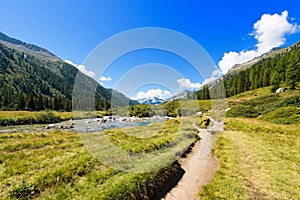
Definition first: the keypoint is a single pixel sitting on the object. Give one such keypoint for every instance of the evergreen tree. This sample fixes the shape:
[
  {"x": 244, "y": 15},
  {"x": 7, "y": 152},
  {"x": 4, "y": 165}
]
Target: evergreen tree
[
  {"x": 39, "y": 103},
  {"x": 293, "y": 75},
  {"x": 205, "y": 93},
  {"x": 30, "y": 104},
  {"x": 275, "y": 81},
  {"x": 21, "y": 101}
]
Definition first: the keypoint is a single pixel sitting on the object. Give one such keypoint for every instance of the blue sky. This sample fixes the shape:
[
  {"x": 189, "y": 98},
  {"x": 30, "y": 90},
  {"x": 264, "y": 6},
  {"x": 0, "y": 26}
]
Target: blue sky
[{"x": 225, "y": 29}]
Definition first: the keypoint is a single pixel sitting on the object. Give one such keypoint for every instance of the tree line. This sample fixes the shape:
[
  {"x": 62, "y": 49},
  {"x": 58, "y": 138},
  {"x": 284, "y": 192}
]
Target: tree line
[
  {"x": 28, "y": 82},
  {"x": 278, "y": 70}
]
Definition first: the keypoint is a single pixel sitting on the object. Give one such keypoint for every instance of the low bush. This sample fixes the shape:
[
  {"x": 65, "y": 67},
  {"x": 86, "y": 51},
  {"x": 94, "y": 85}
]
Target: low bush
[
  {"x": 47, "y": 117},
  {"x": 284, "y": 115},
  {"x": 242, "y": 111},
  {"x": 24, "y": 191},
  {"x": 203, "y": 122},
  {"x": 41, "y": 118}
]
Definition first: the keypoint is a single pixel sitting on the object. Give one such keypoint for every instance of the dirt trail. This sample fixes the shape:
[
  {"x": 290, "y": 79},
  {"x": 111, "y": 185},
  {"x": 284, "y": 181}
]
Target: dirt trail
[{"x": 199, "y": 166}]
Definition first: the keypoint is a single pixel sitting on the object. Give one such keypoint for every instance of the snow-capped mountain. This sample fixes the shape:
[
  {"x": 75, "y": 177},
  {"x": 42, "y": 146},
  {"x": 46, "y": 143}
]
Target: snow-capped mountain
[
  {"x": 180, "y": 95},
  {"x": 150, "y": 100}
]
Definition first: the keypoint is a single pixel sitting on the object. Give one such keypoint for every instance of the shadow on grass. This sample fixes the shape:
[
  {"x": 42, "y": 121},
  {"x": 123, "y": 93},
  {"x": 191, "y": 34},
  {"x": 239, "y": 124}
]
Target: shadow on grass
[{"x": 170, "y": 183}]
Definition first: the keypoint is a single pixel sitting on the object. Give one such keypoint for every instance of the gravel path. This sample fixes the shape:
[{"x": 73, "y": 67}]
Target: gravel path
[{"x": 199, "y": 166}]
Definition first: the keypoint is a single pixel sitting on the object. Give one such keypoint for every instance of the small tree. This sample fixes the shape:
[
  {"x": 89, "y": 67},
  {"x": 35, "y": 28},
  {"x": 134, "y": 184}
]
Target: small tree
[
  {"x": 274, "y": 81},
  {"x": 293, "y": 75}
]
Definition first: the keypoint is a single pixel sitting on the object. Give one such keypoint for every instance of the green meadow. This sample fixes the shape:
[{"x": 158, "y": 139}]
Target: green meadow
[
  {"x": 259, "y": 150},
  {"x": 57, "y": 165}
]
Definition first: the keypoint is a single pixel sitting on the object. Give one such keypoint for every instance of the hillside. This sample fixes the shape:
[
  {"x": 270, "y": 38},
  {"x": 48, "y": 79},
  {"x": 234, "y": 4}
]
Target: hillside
[
  {"x": 28, "y": 48},
  {"x": 273, "y": 52},
  {"x": 258, "y": 151},
  {"x": 32, "y": 78},
  {"x": 277, "y": 68}
]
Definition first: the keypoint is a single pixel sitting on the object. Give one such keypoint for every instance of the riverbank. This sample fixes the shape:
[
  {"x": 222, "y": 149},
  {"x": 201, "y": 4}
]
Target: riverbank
[{"x": 57, "y": 165}]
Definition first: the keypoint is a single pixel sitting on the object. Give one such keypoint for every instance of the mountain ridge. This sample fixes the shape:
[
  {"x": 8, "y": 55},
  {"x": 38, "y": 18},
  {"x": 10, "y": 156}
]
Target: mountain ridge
[
  {"x": 272, "y": 53},
  {"x": 29, "y": 48},
  {"x": 29, "y": 80}
]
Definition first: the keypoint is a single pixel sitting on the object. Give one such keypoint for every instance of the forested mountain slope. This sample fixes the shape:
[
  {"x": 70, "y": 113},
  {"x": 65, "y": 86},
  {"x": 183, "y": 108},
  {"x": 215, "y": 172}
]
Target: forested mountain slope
[
  {"x": 31, "y": 78},
  {"x": 279, "y": 68}
]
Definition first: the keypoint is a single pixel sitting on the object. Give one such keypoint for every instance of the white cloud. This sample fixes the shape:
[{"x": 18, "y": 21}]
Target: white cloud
[
  {"x": 215, "y": 74},
  {"x": 163, "y": 94},
  {"x": 269, "y": 31},
  {"x": 82, "y": 68},
  {"x": 104, "y": 78},
  {"x": 186, "y": 83}
]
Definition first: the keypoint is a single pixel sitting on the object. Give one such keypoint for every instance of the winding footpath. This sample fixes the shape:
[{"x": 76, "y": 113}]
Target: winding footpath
[{"x": 199, "y": 166}]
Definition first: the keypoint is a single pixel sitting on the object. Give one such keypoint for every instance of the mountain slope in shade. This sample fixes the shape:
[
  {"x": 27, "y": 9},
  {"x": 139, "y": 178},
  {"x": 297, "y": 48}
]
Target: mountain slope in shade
[{"x": 32, "y": 78}]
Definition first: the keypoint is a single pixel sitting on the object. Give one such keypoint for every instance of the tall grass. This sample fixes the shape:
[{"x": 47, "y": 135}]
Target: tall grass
[
  {"x": 56, "y": 165},
  {"x": 26, "y": 117}
]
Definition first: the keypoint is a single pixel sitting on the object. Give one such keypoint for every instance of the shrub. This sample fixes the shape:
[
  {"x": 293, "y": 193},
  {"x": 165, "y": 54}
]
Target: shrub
[
  {"x": 242, "y": 111},
  {"x": 47, "y": 117},
  {"x": 291, "y": 101},
  {"x": 285, "y": 115},
  {"x": 24, "y": 191}
]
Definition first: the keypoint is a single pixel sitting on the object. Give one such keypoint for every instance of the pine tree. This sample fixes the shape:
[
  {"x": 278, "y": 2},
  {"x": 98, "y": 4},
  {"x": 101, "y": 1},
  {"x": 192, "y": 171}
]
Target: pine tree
[
  {"x": 21, "y": 101},
  {"x": 293, "y": 75},
  {"x": 275, "y": 81},
  {"x": 39, "y": 103},
  {"x": 30, "y": 104},
  {"x": 205, "y": 93}
]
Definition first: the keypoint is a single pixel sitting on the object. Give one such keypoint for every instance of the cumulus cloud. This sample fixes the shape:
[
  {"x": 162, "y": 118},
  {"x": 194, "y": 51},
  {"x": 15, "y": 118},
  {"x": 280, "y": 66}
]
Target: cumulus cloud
[
  {"x": 214, "y": 75},
  {"x": 269, "y": 31},
  {"x": 163, "y": 94},
  {"x": 82, "y": 68},
  {"x": 104, "y": 78},
  {"x": 186, "y": 83}
]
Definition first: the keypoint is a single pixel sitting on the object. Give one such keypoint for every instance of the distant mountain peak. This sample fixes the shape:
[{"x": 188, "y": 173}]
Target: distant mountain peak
[{"x": 150, "y": 100}]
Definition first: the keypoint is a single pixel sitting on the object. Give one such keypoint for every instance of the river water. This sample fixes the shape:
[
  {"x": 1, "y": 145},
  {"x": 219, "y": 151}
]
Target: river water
[{"x": 82, "y": 125}]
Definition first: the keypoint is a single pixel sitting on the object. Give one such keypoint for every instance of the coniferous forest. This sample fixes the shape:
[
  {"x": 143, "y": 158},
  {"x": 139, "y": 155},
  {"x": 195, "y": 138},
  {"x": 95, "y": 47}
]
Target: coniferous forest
[
  {"x": 32, "y": 82},
  {"x": 280, "y": 70}
]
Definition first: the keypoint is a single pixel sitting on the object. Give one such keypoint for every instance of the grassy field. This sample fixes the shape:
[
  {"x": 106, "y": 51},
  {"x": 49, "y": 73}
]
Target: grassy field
[
  {"x": 282, "y": 108},
  {"x": 27, "y": 117},
  {"x": 257, "y": 160},
  {"x": 259, "y": 151},
  {"x": 19, "y": 114},
  {"x": 56, "y": 164},
  {"x": 43, "y": 117}
]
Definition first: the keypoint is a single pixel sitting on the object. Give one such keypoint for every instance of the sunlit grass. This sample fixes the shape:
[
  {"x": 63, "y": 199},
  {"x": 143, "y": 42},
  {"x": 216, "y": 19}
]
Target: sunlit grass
[
  {"x": 257, "y": 160},
  {"x": 57, "y": 165},
  {"x": 36, "y": 117}
]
